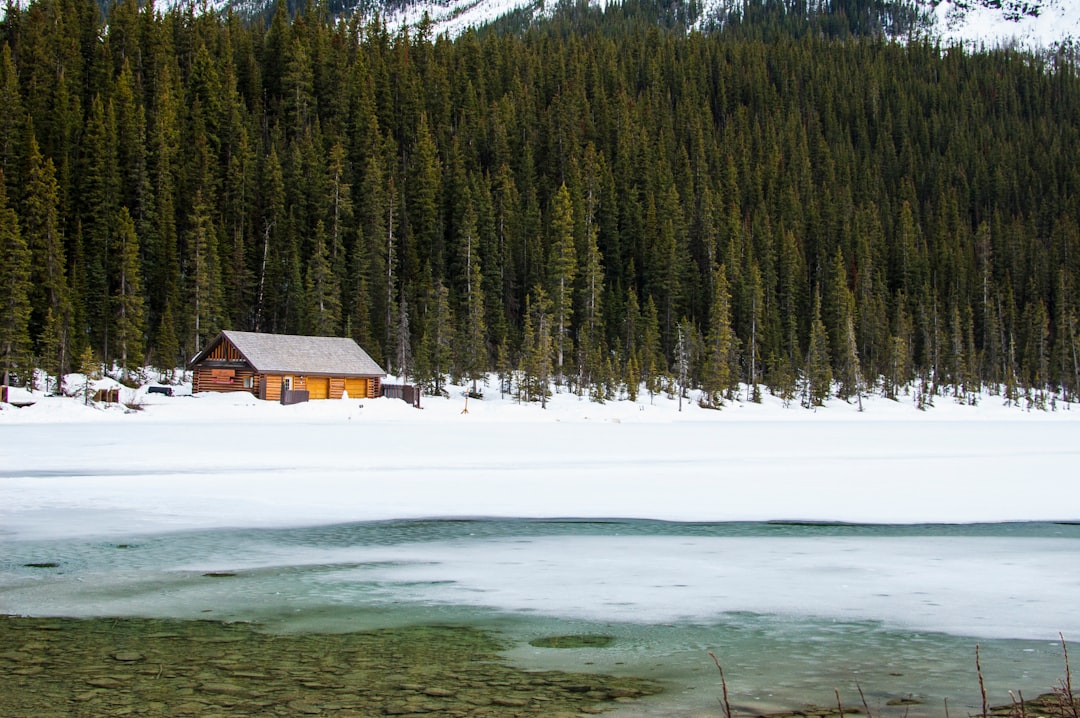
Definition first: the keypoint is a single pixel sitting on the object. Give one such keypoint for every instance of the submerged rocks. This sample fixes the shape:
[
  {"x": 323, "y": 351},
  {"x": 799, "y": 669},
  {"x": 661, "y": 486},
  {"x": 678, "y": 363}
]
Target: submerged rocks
[
  {"x": 144, "y": 667},
  {"x": 588, "y": 640},
  {"x": 127, "y": 656}
]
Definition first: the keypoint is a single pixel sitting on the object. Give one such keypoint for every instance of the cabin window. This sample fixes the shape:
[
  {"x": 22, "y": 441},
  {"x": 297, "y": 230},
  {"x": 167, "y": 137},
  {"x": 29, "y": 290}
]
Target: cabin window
[
  {"x": 286, "y": 383},
  {"x": 249, "y": 382}
]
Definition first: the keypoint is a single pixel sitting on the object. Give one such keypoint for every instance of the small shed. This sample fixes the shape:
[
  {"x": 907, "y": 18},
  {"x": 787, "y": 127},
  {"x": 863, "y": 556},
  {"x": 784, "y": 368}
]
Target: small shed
[{"x": 268, "y": 364}]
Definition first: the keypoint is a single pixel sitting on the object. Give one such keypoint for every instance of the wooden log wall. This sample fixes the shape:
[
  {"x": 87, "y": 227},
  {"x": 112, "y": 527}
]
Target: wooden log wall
[{"x": 209, "y": 379}]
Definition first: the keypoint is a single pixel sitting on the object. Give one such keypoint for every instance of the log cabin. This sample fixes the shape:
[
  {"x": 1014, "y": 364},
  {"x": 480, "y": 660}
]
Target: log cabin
[{"x": 268, "y": 364}]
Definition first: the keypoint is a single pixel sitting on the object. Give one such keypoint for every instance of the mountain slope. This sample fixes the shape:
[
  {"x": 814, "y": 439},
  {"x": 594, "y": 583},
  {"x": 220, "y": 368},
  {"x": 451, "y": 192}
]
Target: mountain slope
[
  {"x": 1028, "y": 23},
  {"x": 974, "y": 23}
]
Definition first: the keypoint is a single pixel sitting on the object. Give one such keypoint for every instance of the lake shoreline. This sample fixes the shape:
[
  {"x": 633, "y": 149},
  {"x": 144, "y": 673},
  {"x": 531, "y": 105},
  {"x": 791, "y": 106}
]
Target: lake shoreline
[{"x": 185, "y": 667}]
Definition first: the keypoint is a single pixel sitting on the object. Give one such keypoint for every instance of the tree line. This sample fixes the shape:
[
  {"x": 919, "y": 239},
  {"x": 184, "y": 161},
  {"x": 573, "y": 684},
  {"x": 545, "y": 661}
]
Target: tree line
[{"x": 645, "y": 206}]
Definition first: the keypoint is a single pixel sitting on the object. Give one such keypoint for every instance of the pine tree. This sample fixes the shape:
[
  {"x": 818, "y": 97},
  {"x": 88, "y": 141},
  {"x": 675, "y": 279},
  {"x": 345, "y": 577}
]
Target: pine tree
[
  {"x": 98, "y": 194},
  {"x": 341, "y": 204},
  {"x": 721, "y": 365},
  {"x": 563, "y": 270},
  {"x": 127, "y": 302},
  {"x": 537, "y": 347},
  {"x": 591, "y": 342},
  {"x": 167, "y": 346},
  {"x": 439, "y": 336},
  {"x": 204, "y": 284},
  {"x": 474, "y": 352},
  {"x": 653, "y": 366},
  {"x": 853, "y": 372},
  {"x": 900, "y": 363},
  {"x": 684, "y": 356},
  {"x": 841, "y": 326},
  {"x": 272, "y": 222},
  {"x": 131, "y": 144},
  {"x": 503, "y": 368},
  {"x": 91, "y": 371},
  {"x": 1037, "y": 351},
  {"x": 12, "y": 117},
  {"x": 50, "y": 298},
  {"x": 15, "y": 289},
  {"x": 422, "y": 188},
  {"x": 51, "y": 356},
  {"x": 818, "y": 365},
  {"x": 756, "y": 301},
  {"x": 1065, "y": 364},
  {"x": 403, "y": 356},
  {"x": 322, "y": 289}
]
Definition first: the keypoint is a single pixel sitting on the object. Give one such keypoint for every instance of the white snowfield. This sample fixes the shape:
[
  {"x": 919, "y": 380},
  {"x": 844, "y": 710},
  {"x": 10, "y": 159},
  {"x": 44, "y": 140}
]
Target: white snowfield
[{"x": 230, "y": 460}]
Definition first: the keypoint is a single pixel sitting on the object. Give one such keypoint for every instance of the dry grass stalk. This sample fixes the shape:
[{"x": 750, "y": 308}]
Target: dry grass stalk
[
  {"x": 839, "y": 705},
  {"x": 982, "y": 683},
  {"x": 1066, "y": 697},
  {"x": 1019, "y": 710},
  {"x": 865, "y": 705},
  {"x": 723, "y": 684}
]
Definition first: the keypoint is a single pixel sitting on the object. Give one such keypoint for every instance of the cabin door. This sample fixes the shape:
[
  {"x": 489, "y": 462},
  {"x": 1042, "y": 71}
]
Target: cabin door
[
  {"x": 318, "y": 387},
  {"x": 356, "y": 388}
]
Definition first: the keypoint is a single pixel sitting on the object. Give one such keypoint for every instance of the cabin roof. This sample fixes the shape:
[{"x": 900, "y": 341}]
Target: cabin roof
[{"x": 294, "y": 354}]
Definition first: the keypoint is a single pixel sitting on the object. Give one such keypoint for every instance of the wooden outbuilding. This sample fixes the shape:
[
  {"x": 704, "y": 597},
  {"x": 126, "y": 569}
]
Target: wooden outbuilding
[{"x": 267, "y": 365}]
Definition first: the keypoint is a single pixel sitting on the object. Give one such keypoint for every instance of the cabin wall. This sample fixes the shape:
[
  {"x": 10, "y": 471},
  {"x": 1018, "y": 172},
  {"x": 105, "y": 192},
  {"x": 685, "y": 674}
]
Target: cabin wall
[
  {"x": 269, "y": 386},
  {"x": 210, "y": 379}
]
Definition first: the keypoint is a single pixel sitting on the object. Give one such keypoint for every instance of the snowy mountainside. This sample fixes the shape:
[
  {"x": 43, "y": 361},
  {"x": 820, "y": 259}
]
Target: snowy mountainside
[
  {"x": 973, "y": 23},
  {"x": 976, "y": 24}
]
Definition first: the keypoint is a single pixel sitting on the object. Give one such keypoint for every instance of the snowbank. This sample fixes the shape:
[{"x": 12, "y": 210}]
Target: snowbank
[{"x": 212, "y": 460}]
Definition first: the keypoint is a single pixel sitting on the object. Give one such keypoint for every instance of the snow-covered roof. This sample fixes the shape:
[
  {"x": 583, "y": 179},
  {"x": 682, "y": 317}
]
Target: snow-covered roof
[{"x": 288, "y": 353}]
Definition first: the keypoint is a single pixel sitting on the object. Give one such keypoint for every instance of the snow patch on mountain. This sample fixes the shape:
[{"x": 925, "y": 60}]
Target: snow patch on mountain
[
  {"x": 994, "y": 23},
  {"x": 454, "y": 17}
]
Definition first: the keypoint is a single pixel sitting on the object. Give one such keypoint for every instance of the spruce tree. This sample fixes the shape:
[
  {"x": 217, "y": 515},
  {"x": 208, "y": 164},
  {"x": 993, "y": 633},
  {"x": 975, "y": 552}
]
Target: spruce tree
[
  {"x": 439, "y": 338},
  {"x": 12, "y": 117},
  {"x": 51, "y": 301},
  {"x": 15, "y": 286},
  {"x": 756, "y": 308},
  {"x": 166, "y": 344},
  {"x": 203, "y": 278},
  {"x": 98, "y": 199},
  {"x": 322, "y": 289},
  {"x": 473, "y": 356},
  {"x": 819, "y": 374},
  {"x": 537, "y": 347},
  {"x": 591, "y": 343},
  {"x": 720, "y": 375},
  {"x": 563, "y": 270},
  {"x": 127, "y": 302},
  {"x": 90, "y": 369}
]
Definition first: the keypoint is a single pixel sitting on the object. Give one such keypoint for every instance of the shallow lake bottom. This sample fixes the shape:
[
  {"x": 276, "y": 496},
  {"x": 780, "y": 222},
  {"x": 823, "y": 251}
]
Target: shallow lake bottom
[{"x": 794, "y": 612}]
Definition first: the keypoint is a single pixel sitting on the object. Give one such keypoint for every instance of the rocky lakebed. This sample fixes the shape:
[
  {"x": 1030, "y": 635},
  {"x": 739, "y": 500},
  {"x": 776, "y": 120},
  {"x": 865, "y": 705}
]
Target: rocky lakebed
[{"x": 151, "y": 667}]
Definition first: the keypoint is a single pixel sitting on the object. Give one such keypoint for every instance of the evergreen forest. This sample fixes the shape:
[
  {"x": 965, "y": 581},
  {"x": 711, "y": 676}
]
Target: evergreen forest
[{"x": 600, "y": 202}]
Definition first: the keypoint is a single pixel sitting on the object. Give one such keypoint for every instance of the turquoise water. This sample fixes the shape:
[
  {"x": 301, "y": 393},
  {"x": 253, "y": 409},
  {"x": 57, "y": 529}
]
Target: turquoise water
[{"x": 792, "y": 610}]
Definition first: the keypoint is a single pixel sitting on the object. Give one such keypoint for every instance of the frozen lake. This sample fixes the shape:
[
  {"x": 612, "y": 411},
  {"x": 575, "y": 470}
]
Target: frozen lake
[
  {"x": 793, "y": 610},
  {"x": 809, "y": 551}
]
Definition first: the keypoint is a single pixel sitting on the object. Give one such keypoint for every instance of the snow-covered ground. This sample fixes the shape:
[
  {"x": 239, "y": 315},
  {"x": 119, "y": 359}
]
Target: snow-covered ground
[{"x": 230, "y": 460}]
